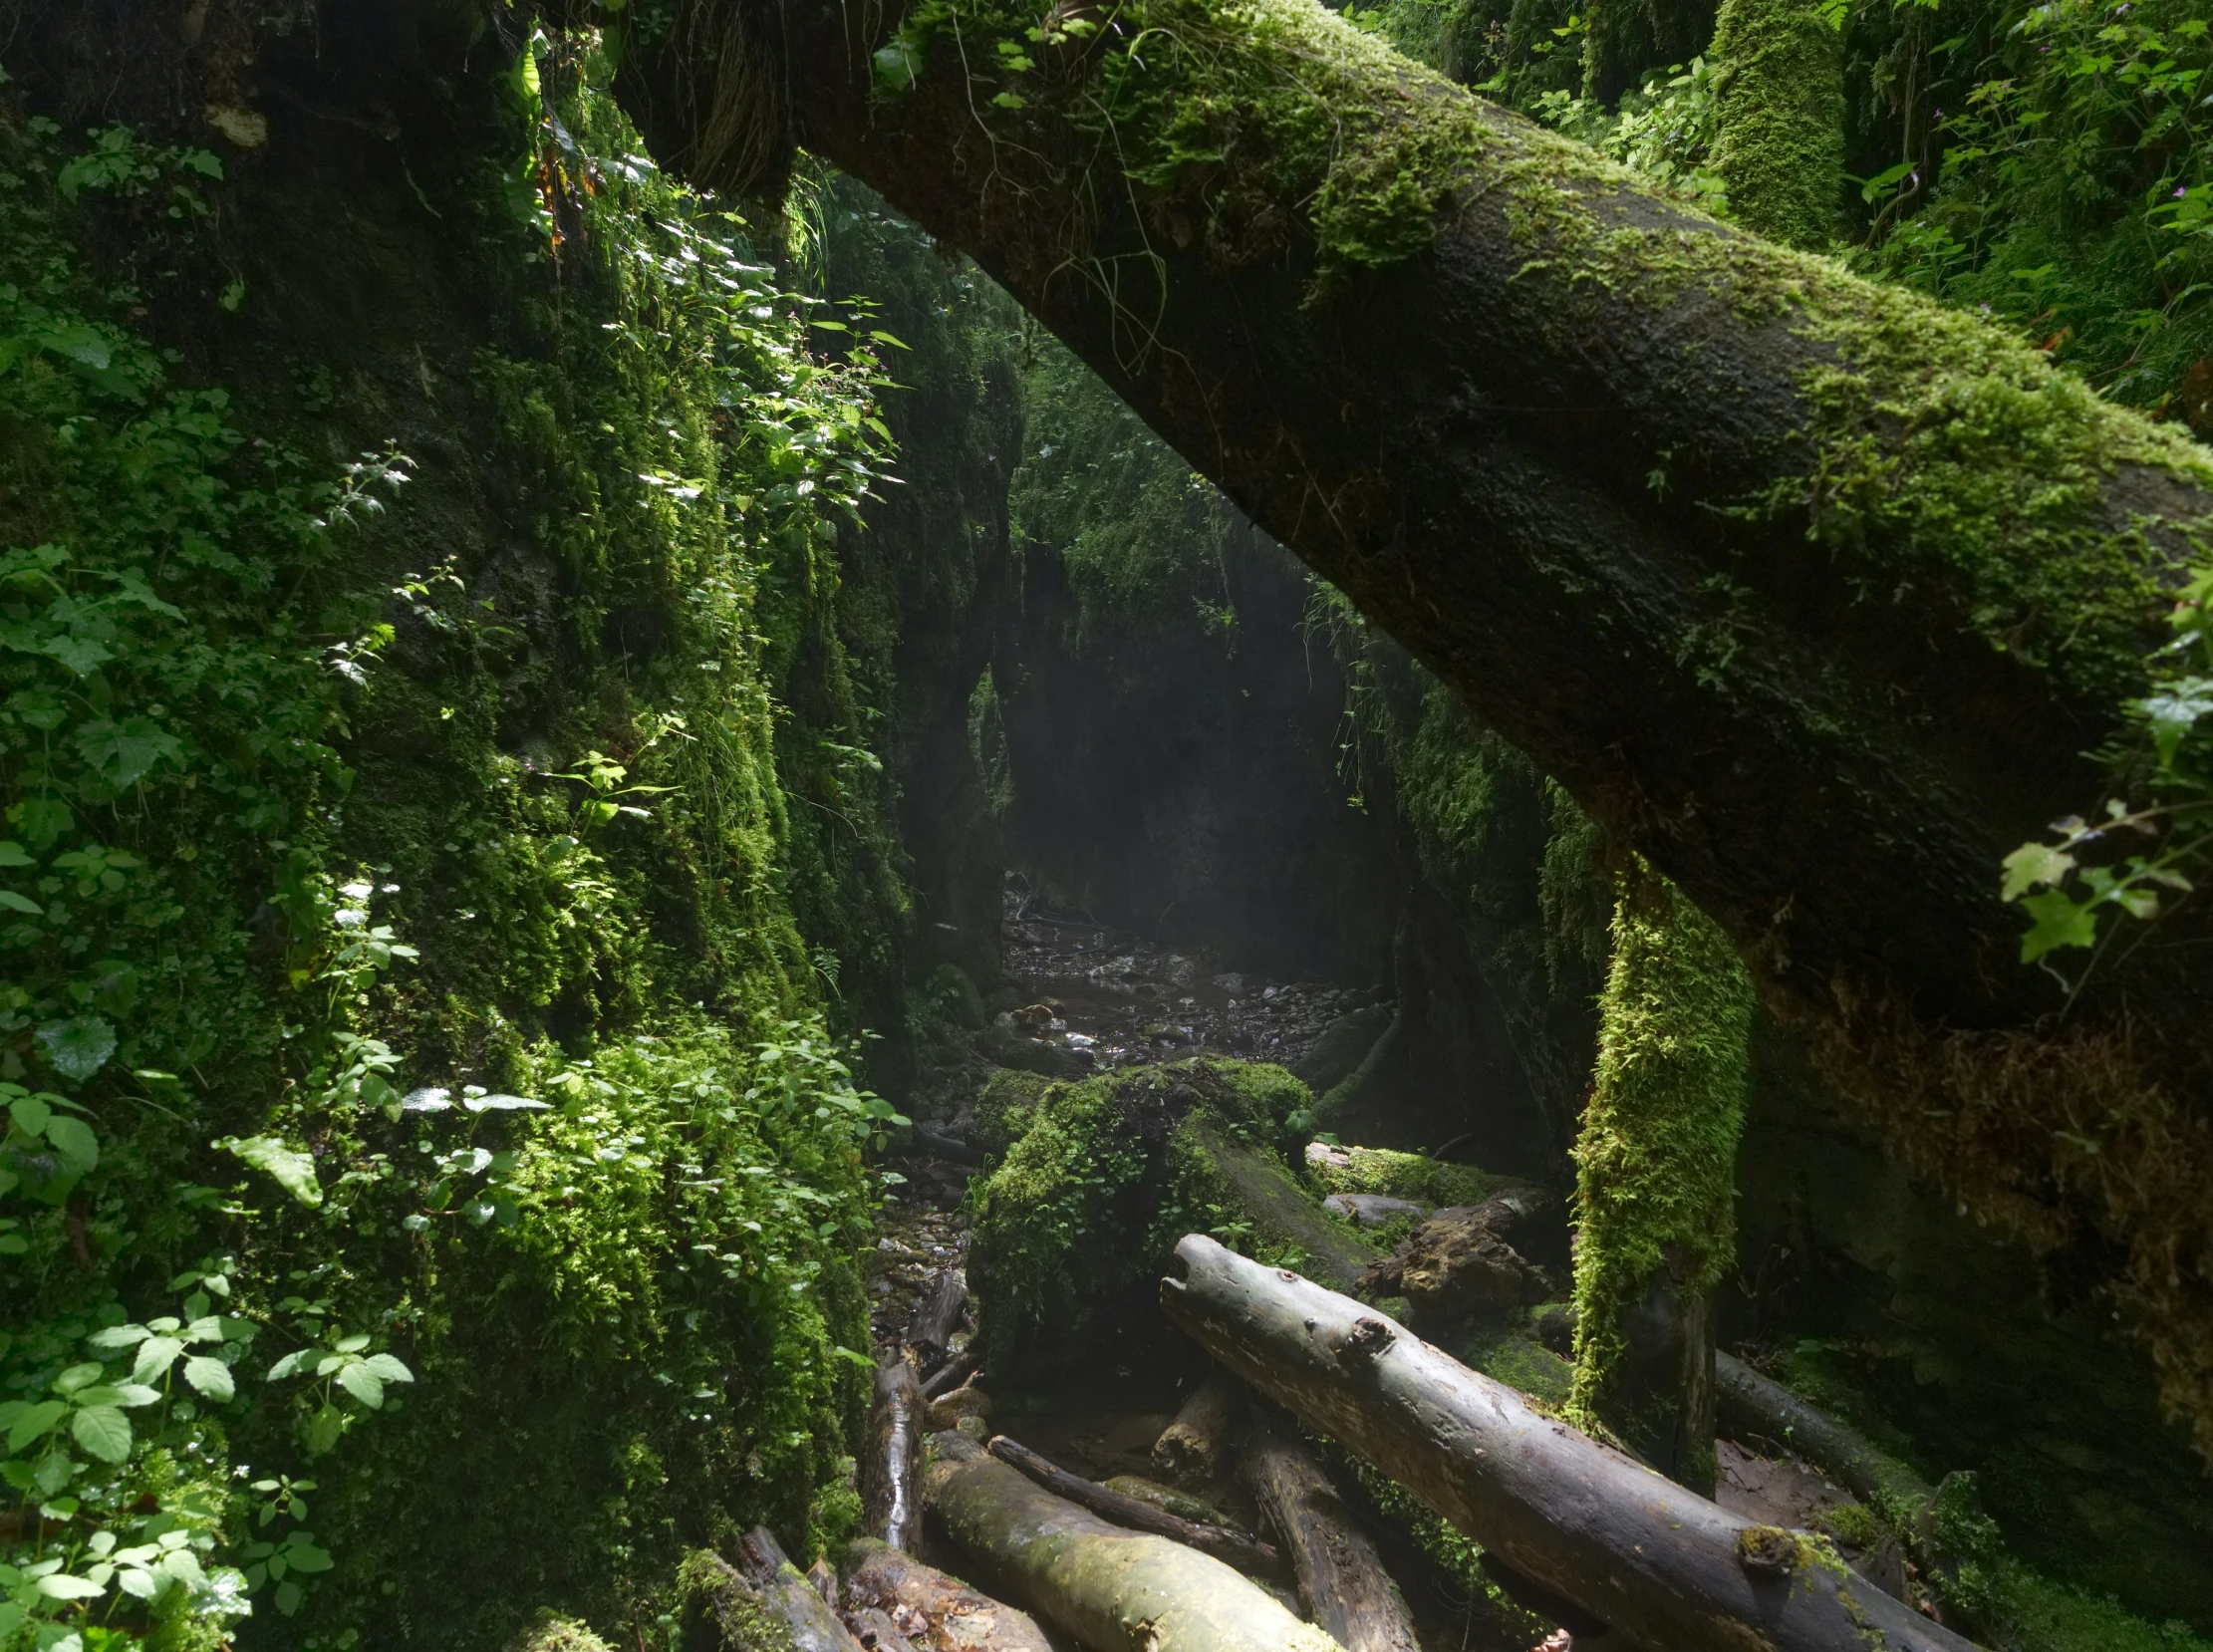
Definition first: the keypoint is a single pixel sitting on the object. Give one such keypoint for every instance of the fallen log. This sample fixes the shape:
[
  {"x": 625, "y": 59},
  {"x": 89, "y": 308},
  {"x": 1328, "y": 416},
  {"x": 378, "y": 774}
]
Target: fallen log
[
  {"x": 790, "y": 1599},
  {"x": 1224, "y": 1543},
  {"x": 1752, "y": 1405},
  {"x": 891, "y": 1469},
  {"x": 1112, "y": 1590},
  {"x": 1341, "y": 1577},
  {"x": 955, "y": 1371},
  {"x": 931, "y": 1331},
  {"x": 1663, "y": 1567},
  {"x": 937, "y": 1612},
  {"x": 1192, "y": 1448}
]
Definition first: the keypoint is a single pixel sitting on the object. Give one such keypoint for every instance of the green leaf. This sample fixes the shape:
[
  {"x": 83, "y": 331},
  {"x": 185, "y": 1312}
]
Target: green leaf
[
  {"x": 305, "y": 1556},
  {"x": 126, "y": 752},
  {"x": 20, "y": 903},
  {"x": 73, "y": 1140},
  {"x": 33, "y": 1422},
  {"x": 117, "y": 1337},
  {"x": 324, "y": 1429},
  {"x": 30, "y": 1114},
  {"x": 2033, "y": 866},
  {"x": 79, "y": 1047},
  {"x": 210, "y": 1376},
  {"x": 60, "y": 1585},
  {"x": 294, "y": 1170},
  {"x": 2059, "y": 921},
  {"x": 388, "y": 1368},
  {"x": 364, "y": 1384},
  {"x": 12, "y": 853},
  {"x": 102, "y": 1431},
  {"x": 288, "y": 1597},
  {"x": 156, "y": 1355}
]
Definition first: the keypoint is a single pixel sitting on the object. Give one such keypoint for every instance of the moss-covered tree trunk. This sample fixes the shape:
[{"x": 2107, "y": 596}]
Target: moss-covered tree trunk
[
  {"x": 1812, "y": 591},
  {"x": 1781, "y": 144},
  {"x": 1655, "y": 1187}
]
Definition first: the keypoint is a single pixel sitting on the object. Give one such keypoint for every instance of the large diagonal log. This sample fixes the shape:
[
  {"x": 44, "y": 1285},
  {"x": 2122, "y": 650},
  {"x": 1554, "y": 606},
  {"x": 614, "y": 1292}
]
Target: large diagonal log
[
  {"x": 1813, "y": 592},
  {"x": 1665, "y": 1567}
]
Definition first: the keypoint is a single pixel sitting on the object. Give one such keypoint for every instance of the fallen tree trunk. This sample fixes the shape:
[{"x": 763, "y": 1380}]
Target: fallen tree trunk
[
  {"x": 1193, "y": 1448},
  {"x": 891, "y": 1469},
  {"x": 1113, "y": 1589},
  {"x": 939, "y": 1613},
  {"x": 1803, "y": 586},
  {"x": 1663, "y": 1567},
  {"x": 1339, "y": 1575},
  {"x": 787, "y": 1597},
  {"x": 955, "y": 1371},
  {"x": 939, "y": 1317},
  {"x": 1237, "y": 1549},
  {"x": 1752, "y": 1407}
]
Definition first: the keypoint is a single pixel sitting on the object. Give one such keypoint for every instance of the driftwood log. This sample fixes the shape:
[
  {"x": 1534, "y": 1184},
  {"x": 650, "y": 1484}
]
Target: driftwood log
[
  {"x": 1111, "y": 1589},
  {"x": 936, "y": 1612},
  {"x": 1341, "y": 1577},
  {"x": 1194, "y": 1446},
  {"x": 931, "y": 1331},
  {"x": 1663, "y": 1567},
  {"x": 891, "y": 1470},
  {"x": 1224, "y": 1543},
  {"x": 786, "y": 1596}
]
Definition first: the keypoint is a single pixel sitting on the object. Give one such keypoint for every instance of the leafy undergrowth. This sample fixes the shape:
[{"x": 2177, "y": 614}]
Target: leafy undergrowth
[{"x": 430, "y": 1178}]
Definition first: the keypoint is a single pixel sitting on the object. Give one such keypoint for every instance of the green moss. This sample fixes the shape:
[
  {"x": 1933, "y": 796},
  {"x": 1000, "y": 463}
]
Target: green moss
[
  {"x": 555, "y": 1633},
  {"x": 1080, "y": 1219},
  {"x": 1413, "y": 1176},
  {"x": 1779, "y": 143},
  {"x": 1656, "y": 1157},
  {"x": 1004, "y": 1108},
  {"x": 1512, "y": 1357}
]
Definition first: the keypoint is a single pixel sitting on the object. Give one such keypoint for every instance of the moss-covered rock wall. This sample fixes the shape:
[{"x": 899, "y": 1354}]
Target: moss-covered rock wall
[{"x": 454, "y": 736}]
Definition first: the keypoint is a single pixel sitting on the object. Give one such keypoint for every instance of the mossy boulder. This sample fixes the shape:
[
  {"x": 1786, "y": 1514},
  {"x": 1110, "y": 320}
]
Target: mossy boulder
[
  {"x": 1077, "y": 1226},
  {"x": 1005, "y": 1107},
  {"x": 1413, "y": 1176}
]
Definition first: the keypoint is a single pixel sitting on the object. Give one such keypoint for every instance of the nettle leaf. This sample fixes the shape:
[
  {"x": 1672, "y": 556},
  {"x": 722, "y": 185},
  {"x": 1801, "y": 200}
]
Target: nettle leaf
[
  {"x": 364, "y": 1384},
  {"x": 102, "y": 1431},
  {"x": 388, "y": 1368},
  {"x": 34, "y": 1421},
  {"x": 294, "y": 1170},
  {"x": 156, "y": 1355},
  {"x": 78, "y": 1047},
  {"x": 210, "y": 1376},
  {"x": 127, "y": 753}
]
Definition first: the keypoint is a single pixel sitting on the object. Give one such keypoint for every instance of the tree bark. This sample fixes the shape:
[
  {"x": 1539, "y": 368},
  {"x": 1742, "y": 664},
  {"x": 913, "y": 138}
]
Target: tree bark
[
  {"x": 787, "y": 1597},
  {"x": 1112, "y": 1590},
  {"x": 1191, "y": 1450},
  {"x": 939, "y": 1613},
  {"x": 1659, "y": 1565},
  {"x": 1235, "y": 1549},
  {"x": 891, "y": 1471},
  {"x": 1339, "y": 1574},
  {"x": 955, "y": 1371},
  {"x": 939, "y": 1317},
  {"x": 1811, "y": 590},
  {"x": 1656, "y": 1179}
]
